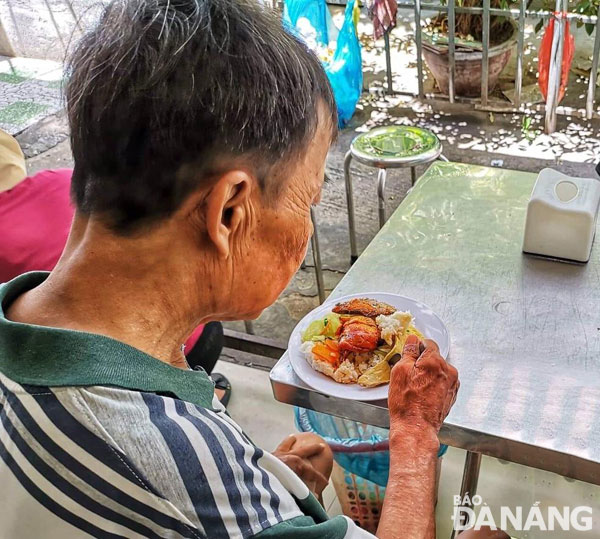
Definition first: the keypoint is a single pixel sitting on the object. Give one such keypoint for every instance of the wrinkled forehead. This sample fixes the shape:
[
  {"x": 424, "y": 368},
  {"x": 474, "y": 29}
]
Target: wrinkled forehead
[{"x": 304, "y": 167}]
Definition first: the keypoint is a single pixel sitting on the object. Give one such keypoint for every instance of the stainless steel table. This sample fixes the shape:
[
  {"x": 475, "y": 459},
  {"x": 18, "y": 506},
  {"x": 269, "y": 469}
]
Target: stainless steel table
[{"x": 525, "y": 332}]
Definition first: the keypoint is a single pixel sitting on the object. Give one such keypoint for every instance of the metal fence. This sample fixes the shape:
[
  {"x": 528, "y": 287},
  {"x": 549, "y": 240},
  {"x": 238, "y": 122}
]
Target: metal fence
[{"x": 521, "y": 14}]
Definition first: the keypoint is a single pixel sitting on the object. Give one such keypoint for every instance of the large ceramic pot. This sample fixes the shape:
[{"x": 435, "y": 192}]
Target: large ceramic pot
[{"x": 467, "y": 66}]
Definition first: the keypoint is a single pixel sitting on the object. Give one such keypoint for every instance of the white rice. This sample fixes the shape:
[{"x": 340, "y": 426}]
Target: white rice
[
  {"x": 306, "y": 348},
  {"x": 393, "y": 325}
]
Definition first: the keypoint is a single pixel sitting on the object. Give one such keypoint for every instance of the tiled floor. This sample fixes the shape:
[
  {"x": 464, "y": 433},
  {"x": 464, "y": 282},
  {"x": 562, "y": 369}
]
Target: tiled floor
[{"x": 29, "y": 90}]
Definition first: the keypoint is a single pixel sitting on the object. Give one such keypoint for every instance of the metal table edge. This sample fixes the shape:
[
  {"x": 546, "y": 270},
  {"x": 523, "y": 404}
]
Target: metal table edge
[{"x": 511, "y": 450}]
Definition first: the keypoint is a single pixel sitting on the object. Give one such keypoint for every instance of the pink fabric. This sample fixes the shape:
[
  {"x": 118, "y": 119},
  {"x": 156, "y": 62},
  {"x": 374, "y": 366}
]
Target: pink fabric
[
  {"x": 35, "y": 218},
  {"x": 193, "y": 338},
  {"x": 383, "y": 14}
]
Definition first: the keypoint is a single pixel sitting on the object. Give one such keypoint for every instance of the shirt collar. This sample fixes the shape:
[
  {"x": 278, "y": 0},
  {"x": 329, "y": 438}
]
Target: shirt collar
[{"x": 53, "y": 357}]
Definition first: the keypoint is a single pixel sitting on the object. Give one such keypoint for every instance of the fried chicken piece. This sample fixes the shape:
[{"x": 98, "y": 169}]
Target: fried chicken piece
[
  {"x": 359, "y": 334},
  {"x": 364, "y": 307}
]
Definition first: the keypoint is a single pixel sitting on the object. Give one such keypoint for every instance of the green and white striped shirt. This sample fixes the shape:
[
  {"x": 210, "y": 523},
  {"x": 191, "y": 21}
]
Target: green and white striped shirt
[{"x": 99, "y": 439}]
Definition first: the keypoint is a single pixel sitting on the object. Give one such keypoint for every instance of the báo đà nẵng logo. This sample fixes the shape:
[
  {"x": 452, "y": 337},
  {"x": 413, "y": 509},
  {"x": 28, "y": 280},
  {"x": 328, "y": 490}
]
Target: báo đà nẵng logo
[{"x": 475, "y": 513}]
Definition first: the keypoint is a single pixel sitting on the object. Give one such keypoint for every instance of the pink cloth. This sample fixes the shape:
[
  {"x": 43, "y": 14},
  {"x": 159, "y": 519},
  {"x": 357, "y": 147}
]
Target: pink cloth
[
  {"x": 383, "y": 14},
  {"x": 193, "y": 338},
  {"x": 35, "y": 218}
]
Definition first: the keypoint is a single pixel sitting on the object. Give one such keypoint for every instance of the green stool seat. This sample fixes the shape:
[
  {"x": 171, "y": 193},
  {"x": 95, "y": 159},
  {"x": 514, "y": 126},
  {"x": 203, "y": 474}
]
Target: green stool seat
[
  {"x": 396, "y": 146},
  {"x": 393, "y": 146}
]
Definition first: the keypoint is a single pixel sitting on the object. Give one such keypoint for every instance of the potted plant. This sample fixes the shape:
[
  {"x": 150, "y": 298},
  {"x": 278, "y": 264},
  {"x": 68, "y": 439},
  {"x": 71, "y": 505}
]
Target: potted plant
[{"x": 468, "y": 47}]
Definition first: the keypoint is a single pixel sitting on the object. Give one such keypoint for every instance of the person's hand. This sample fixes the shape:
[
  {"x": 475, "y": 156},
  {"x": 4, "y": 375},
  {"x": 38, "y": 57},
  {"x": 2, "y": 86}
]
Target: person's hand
[
  {"x": 423, "y": 387},
  {"x": 485, "y": 532},
  {"x": 309, "y": 457}
]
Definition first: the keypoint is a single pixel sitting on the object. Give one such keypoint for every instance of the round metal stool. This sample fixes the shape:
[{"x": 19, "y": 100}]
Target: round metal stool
[{"x": 388, "y": 147}]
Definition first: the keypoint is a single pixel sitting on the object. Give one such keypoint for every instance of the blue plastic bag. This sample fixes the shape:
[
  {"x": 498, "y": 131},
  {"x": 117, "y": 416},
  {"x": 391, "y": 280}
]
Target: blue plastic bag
[
  {"x": 358, "y": 448},
  {"x": 311, "y": 20}
]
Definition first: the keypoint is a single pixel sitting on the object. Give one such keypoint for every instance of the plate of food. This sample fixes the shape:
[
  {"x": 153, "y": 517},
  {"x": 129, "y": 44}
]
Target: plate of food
[{"x": 346, "y": 348}]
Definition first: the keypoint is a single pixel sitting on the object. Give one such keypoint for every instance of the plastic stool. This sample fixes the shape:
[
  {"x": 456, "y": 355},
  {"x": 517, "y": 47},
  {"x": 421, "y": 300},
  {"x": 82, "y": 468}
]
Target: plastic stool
[{"x": 383, "y": 148}]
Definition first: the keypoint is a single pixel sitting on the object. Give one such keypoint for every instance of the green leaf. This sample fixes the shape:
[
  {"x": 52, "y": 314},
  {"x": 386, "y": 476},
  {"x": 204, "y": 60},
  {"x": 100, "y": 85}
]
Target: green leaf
[
  {"x": 539, "y": 26},
  {"x": 589, "y": 28},
  {"x": 582, "y": 7},
  {"x": 526, "y": 122}
]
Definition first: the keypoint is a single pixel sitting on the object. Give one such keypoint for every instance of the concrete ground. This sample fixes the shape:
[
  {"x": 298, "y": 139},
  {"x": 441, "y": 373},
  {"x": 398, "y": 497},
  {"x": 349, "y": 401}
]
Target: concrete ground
[
  {"x": 47, "y": 29},
  {"x": 30, "y": 90}
]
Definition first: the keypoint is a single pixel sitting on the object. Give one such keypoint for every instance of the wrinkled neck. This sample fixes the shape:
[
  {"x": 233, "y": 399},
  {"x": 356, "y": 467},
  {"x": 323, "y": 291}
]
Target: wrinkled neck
[{"x": 135, "y": 290}]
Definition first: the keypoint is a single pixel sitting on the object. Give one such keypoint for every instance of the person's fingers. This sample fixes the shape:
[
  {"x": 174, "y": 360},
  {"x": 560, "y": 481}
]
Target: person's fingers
[
  {"x": 431, "y": 345},
  {"x": 452, "y": 372},
  {"x": 453, "y": 375},
  {"x": 456, "y": 388},
  {"x": 450, "y": 399},
  {"x": 431, "y": 362},
  {"x": 401, "y": 373},
  {"x": 305, "y": 471},
  {"x": 411, "y": 350},
  {"x": 292, "y": 461},
  {"x": 309, "y": 450},
  {"x": 286, "y": 444},
  {"x": 311, "y": 475}
]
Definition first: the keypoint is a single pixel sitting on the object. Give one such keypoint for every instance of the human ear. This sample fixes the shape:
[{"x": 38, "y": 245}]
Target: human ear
[{"x": 226, "y": 208}]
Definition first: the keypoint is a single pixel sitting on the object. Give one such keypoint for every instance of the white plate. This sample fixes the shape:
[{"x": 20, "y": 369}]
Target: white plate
[{"x": 425, "y": 320}]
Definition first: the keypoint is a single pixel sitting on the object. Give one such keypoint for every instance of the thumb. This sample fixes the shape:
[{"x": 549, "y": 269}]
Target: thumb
[
  {"x": 309, "y": 450},
  {"x": 287, "y": 444},
  {"x": 412, "y": 349}
]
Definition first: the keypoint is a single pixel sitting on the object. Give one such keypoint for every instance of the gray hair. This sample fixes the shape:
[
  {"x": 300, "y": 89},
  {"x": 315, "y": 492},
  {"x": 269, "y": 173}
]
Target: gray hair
[{"x": 162, "y": 88}]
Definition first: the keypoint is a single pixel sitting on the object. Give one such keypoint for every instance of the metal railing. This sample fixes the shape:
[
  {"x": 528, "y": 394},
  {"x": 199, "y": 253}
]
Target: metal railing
[{"x": 551, "y": 107}]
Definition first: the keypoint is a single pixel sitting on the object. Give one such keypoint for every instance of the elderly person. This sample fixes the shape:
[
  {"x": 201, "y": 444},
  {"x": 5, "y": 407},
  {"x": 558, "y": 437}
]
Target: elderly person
[
  {"x": 35, "y": 218},
  {"x": 199, "y": 131}
]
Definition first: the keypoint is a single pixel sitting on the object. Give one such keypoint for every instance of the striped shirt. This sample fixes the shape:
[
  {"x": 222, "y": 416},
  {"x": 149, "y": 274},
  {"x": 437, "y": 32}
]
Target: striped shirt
[{"x": 98, "y": 439}]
